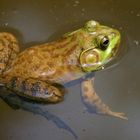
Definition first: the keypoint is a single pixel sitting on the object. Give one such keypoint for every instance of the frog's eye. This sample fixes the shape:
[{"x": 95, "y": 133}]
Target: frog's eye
[
  {"x": 104, "y": 43},
  {"x": 91, "y": 25}
]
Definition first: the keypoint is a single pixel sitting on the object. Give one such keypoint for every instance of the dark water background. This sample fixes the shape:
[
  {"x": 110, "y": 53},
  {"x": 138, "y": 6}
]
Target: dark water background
[{"x": 35, "y": 21}]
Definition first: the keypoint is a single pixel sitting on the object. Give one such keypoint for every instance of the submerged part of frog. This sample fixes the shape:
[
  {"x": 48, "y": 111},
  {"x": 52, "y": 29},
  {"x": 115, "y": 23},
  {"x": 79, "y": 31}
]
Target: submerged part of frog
[
  {"x": 93, "y": 102},
  {"x": 39, "y": 72}
]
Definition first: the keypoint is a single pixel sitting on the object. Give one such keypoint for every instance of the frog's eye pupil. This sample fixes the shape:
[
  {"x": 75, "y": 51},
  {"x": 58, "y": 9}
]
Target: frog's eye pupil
[{"x": 104, "y": 43}]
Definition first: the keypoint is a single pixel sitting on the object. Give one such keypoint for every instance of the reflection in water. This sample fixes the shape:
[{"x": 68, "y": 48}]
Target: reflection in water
[{"x": 18, "y": 103}]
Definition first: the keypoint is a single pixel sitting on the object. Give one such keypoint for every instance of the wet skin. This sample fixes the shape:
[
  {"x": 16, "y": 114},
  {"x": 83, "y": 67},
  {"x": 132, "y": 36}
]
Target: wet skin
[{"x": 39, "y": 72}]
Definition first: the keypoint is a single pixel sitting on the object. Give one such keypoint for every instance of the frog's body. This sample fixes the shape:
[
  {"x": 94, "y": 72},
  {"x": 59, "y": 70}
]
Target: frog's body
[
  {"x": 38, "y": 72},
  {"x": 54, "y": 62}
]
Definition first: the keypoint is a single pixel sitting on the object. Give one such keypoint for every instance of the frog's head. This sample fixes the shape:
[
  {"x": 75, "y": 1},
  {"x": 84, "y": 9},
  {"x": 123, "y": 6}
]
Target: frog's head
[{"x": 99, "y": 45}]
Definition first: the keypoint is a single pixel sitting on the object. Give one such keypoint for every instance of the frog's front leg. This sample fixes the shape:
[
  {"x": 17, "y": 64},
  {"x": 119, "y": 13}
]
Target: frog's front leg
[
  {"x": 35, "y": 89},
  {"x": 94, "y": 103}
]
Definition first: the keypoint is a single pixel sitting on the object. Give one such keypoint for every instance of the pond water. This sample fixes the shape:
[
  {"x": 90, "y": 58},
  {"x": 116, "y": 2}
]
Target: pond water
[{"x": 39, "y": 21}]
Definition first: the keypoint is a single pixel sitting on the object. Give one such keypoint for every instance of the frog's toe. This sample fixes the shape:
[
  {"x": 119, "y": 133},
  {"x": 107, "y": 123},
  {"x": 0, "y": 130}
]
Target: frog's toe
[
  {"x": 120, "y": 115},
  {"x": 54, "y": 95}
]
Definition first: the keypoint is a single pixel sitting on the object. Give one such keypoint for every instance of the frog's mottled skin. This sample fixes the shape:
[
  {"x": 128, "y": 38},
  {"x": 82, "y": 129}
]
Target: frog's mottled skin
[{"x": 40, "y": 71}]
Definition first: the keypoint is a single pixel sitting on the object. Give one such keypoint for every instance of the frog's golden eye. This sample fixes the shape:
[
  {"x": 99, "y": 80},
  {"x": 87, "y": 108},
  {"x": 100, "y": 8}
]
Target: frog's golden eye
[{"x": 104, "y": 43}]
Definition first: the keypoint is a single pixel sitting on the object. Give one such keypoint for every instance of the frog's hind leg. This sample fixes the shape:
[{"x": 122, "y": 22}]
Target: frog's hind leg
[
  {"x": 8, "y": 50},
  {"x": 93, "y": 102},
  {"x": 36, "y": 90}
]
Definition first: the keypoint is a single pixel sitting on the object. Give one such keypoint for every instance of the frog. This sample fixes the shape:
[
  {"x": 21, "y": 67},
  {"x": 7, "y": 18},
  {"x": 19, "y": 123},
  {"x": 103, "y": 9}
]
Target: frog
[{"x": 40, "y": 72}]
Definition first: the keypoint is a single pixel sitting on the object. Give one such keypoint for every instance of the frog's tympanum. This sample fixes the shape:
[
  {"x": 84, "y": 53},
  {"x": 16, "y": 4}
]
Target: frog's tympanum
[{"x": 39, "y": 72}]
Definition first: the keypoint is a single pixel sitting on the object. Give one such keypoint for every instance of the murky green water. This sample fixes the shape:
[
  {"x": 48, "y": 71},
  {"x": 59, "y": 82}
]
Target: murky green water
[{"x": 45, "y": 20}]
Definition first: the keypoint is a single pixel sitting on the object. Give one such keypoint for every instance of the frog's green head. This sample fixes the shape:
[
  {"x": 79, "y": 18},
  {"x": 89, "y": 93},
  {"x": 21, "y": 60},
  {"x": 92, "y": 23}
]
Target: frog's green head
[{"x": 99, "y": 45}]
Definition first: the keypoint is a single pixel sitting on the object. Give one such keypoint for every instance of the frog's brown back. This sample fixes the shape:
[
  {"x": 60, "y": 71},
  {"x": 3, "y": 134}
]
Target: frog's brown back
[
  {"x": 52, "y": 61},
  {"x": 8, "y": 50}
]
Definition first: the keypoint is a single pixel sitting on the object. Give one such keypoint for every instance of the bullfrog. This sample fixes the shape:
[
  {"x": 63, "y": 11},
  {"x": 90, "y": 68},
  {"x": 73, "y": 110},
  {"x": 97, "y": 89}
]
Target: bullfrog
[{"x": 40, "y": 72}]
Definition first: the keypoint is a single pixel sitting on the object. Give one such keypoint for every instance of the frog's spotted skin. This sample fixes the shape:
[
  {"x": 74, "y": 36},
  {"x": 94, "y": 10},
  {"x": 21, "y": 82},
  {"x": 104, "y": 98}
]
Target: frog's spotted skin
[
  {"x": 8, "y": 50},
  {"x": 39, "y": 72}
]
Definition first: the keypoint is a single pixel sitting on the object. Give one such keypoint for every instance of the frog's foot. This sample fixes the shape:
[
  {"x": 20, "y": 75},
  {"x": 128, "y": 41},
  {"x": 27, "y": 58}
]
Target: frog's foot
[
  {"x": 36, "y": 90},
  {"x": 8, "y": 50},
  {"x": 94, "y": 103},
  {"x": 120, "y": 115}
]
